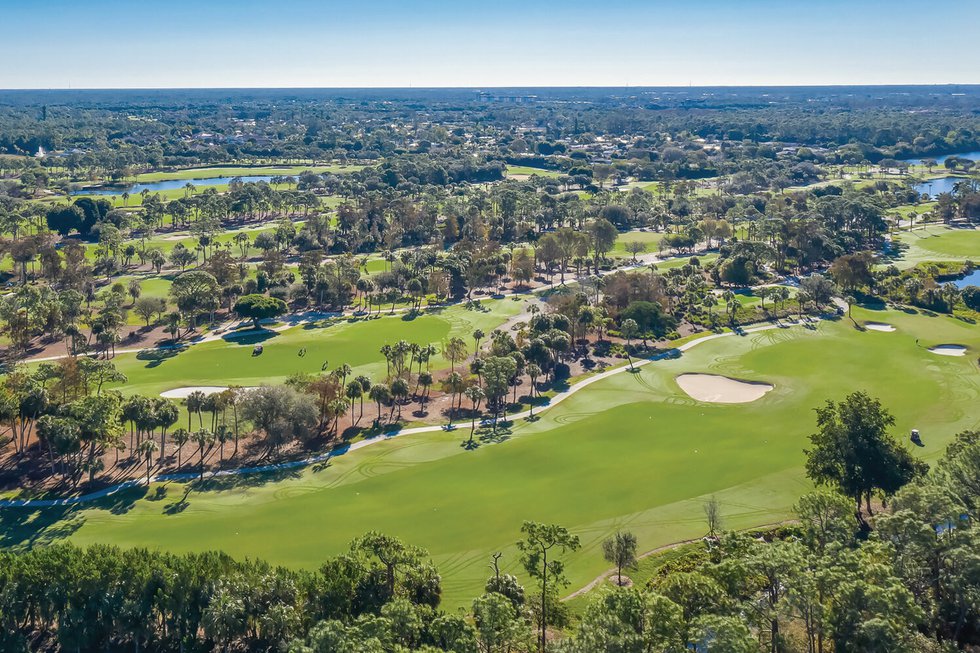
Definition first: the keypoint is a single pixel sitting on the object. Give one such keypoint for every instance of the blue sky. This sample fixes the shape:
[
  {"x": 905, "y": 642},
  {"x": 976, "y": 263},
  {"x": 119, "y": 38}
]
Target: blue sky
[{"x": 320, "y": 43}]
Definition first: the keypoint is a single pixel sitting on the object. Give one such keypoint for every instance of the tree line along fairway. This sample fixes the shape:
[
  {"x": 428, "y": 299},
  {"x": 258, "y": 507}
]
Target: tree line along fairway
[{"x": 577, "y": 465}]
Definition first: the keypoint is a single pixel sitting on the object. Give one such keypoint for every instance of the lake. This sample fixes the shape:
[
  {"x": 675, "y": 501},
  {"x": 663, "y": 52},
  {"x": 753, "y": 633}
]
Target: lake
[
  {"x": 172, "y": 184},
  {"x": 972, "y": 156},
  {"x": 934, "y": 187},
  {"x": 972, "y": 279}
]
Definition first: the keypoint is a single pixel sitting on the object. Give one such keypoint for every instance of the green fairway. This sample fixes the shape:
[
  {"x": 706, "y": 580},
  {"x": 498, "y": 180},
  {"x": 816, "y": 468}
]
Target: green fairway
[
  {"x": 630, "y": 451},
  {"x": 938, "y": 244},
  {"x": 681, "y": 261},
  {"x": 355, "y": 342},
  {"x": 649, "y": 238},
  {"x": 528, "y": 171}
]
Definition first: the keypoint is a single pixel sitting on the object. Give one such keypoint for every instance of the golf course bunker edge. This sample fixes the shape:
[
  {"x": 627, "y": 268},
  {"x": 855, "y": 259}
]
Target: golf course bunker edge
[
  {"x": 879, "y": 326},
  {"x": 949, "y": 350},
  {"x": 716, "y": 389}
]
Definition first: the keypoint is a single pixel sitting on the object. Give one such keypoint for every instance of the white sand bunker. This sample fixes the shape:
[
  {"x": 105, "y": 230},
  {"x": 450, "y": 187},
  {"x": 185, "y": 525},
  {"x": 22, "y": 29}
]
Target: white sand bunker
[
  {"x": 721, "y": 389},
  {"x": 182, "y": 393},
  {"x": 879, "y": 326},
  {"x": 949, "y": 350}
]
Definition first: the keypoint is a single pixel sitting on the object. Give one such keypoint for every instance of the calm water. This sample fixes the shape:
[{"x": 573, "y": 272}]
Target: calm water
[
  {"x": 972, "y": 279},
  {"x": 972, "y": 156},
  {"x": 172, "y": 184},
  {"x": 934, "y": 187}
]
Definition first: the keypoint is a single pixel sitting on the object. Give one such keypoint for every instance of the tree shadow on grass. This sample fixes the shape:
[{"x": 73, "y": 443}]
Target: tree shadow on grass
[
  {"x": 250, "y": 338},
  {"x": 871, "y": 303},
  {"x": 486, "y": 434},
  {"x": 491, "y": 436},
  {"x": 121, "y": 502},
  {"x": 323, "y": 324},
  {"x": 248, "y": 480},
  {"x": 156, "y": 357},
  {"x": 23, "y": 528}
]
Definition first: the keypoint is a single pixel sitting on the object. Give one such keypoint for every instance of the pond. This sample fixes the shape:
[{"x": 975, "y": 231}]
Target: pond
[
  {"x": 171, "y": 184},
  {"x": 972, "y": 156},
  {"x": 972, "y": 279},
  {"x": 934, "y": 187}
]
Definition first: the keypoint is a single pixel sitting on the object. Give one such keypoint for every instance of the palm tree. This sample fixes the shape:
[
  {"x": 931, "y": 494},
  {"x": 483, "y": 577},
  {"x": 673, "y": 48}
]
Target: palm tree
[
  {"x": 180, "y": 436},
  {"x": 380, "y": 394},
  {"x": 222, "y": 434},
  {"x": 454, "y": 385},
  {"x": 475, "y": 394},
  {"x": 399, "y": 391},
  {"x": 425, "y": 380},
  {"x": 533, "y": 372},
  {"x": 225, "y": 617},
  {"x": 365, "y": 387},
  {"x": 195, "y": 402},
  {"x": 354, "y": 391},
  {"x": 203, "y": 438},
  {"x": 166, "y": 415},
  {"x": 343, "y": 372},
  {"x": 146, "y": 450}
]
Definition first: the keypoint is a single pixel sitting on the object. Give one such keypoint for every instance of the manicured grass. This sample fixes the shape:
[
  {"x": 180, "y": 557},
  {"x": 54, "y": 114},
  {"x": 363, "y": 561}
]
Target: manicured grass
[
  {"x": 528, "y": 170},
  {"x": 681, "y": 261},
  {"x": 136, "y": 199},
  {"x": 355, "y": 342},
  {"x": 632, "y": 451},
  {"x": 905, "y": 210},
  {"x": 938, "y": 244},
  {"x": 649, "y": 238}
]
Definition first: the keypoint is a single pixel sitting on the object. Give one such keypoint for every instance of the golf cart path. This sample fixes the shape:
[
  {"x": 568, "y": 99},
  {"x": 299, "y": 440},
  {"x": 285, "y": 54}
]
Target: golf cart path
[{"x": 384, "y": 437}]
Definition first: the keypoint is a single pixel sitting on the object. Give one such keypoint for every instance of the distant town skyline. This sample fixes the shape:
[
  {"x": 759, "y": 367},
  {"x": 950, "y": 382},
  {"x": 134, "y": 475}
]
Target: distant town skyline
[{"x": 435, "y": 43}]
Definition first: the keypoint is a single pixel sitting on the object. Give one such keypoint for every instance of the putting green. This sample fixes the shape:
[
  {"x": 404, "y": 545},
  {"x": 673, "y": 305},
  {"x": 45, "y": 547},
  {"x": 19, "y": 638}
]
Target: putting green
[{"x": 631, "y": 451}]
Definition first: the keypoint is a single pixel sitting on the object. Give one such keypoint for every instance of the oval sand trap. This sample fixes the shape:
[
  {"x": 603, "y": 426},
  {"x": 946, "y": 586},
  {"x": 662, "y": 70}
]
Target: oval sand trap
[
  {"x": 721, "y": 389},
  {"x": 181, "y": 393},
  {"x": 949, "y": 350},
  {"x": 879, "y": 326}
]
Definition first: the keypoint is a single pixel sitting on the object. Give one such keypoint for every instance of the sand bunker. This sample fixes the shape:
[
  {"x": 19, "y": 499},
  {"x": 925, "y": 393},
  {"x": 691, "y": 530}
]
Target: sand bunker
[
  {"x": 721, "y": 389},
  {"x": 181, "y": 393},
  {"x": 878, "y": 326},
  {"x": 949, "y": 350}
]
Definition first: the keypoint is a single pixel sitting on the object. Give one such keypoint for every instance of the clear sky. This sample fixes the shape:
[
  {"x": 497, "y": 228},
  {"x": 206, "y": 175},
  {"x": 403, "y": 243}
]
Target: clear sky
[{"x": 323, "y": 43}]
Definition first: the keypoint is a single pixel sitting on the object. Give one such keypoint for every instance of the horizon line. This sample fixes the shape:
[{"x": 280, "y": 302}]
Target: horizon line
[{"x": 487, "y": 87}]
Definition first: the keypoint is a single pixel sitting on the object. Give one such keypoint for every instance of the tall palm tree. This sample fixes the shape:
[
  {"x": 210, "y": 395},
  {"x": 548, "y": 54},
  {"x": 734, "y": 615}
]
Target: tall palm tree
[
  {"x": 195, "y": 402},
  {"x": 146, "y": 449},
  {"x": 475, "y": 394},
  {"x": 181, "y": 437}
]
